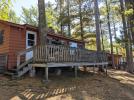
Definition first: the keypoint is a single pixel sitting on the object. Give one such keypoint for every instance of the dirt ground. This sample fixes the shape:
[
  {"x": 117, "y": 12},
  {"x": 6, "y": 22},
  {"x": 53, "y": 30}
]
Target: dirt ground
[{"x": 118, "y": 85}]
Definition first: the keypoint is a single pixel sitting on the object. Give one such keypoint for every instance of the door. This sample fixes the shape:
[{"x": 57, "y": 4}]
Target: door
[
  {"x": 73, "y": 45},
  {"x": 31, "y": 40}
]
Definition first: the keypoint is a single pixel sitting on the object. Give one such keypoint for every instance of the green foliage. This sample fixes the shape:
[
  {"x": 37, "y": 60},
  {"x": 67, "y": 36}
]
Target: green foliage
[
  {"x": 13, "y": 17},
  {"x": 129, "y": 12},
  {"x": 51, "y": 17},
  {"x": 57, "y": 17},
  {"x": 30, "y": 16},
  {"x": 72, "y": 17},
  {"x": 6, "y": 13},
  {"x": 4, "y": 9}
]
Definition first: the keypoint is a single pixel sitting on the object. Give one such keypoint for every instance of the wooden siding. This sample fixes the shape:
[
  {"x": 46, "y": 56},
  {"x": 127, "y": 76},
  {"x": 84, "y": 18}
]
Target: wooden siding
[
  {"x": 4, "y": 48},
  {"x": 17, "y": 43}
]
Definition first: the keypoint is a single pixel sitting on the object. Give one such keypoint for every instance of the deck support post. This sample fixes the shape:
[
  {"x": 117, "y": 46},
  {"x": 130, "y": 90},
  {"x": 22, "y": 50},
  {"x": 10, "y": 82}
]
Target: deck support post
[
  {"x": 94, "y": 68},
  {"x": 106, "y": 69},
  {"x": 85, "y": 68},
  {"x": 32, "y": 71},
  {"x": 75, "y": 70},
  {"x": 46, "y": 73}
]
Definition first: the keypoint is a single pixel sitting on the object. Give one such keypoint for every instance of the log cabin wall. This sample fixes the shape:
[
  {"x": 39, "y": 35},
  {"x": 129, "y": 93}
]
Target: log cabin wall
[
  {"x": 17, "y": 43},
  {"x": 4, "y": 46}
]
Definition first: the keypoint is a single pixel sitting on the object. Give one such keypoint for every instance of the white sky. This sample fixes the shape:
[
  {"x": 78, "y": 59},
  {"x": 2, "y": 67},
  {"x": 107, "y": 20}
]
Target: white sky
[{"x": 17, "y": 4}]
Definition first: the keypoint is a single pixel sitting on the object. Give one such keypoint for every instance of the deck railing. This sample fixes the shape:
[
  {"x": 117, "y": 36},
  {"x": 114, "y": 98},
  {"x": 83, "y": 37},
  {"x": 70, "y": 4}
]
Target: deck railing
[
  {"x": 60, "y": 54},
  {"x": 21, "y": 58}
]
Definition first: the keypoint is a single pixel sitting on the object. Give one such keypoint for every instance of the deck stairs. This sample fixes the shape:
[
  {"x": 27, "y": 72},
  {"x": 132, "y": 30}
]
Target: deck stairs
[{"x": 19, "y": 70}]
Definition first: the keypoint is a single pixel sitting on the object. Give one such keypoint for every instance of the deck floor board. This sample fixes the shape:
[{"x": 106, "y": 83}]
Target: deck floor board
[{"x": 67, "y": 64}]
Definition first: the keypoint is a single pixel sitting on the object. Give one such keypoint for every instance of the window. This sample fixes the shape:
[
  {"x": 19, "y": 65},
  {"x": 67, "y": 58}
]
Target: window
[
  {"x": 63, "y": 42},
  {"x": 49, "y": 40},
  {"x": 31, "y": 38},
  {"x": 1, "y": 36}
]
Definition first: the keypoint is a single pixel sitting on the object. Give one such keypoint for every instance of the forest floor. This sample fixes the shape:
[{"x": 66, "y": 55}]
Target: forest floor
[{"x": 118, "y": 85}]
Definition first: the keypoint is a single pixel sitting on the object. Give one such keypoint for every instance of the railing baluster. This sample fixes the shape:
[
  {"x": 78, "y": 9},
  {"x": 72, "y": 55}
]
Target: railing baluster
[
  {"x": 40, "y": 54},
  {"x": 59, "y": 54},
  {"x": 47, "y": 53},
  {"x": 64, "y": 55},
  {"x": 52, "y": 53}
]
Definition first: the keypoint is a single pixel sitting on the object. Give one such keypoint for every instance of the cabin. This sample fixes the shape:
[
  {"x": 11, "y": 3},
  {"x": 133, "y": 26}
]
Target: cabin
[
  {"x": 15, "y": 38},
  {"x": 117, "y": 59},
  {"x": 20, "y": 50}
]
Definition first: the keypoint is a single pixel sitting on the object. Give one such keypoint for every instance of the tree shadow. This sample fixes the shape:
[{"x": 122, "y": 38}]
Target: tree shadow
[{"x": 87, "y": 86}]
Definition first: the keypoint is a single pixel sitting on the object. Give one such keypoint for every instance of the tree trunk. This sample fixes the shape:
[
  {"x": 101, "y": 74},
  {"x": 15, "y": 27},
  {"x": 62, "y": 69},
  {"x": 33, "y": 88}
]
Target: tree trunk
[
  {"x": 68, "y": 11},
  {"x": 97, "y": 24},
  {"x": 97, "y": 21},
  {"x": 42, "y": 22},
  {"x": 127, "y": 44},
  {"x": 110, "y": 34},
  {"x": 130, "y": 68},
  {"x": 102, "y": 39},
  {"x": 129, "y": 29},
  {"x": 115, "y": 36},
  {"x": 81, "y": 21},
  {"x": 61, "y": 23}
]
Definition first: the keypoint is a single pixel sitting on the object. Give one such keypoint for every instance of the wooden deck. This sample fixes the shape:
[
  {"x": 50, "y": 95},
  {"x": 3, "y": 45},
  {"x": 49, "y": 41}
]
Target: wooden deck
[{"x": 60, "y": 56}]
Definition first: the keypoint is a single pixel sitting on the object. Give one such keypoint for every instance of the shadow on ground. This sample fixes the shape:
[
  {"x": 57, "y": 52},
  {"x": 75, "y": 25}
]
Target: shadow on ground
[{"x": 118, "y": 85}]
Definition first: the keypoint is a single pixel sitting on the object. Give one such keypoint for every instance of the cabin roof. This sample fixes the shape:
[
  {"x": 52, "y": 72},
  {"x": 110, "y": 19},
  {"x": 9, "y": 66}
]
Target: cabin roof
[
  {"x": 27, "y": 26},
  {"x": 11, "y": 24}
]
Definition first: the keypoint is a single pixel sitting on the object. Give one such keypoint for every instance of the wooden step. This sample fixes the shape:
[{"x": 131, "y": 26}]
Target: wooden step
[
  {"x": 24, "y": 64},
  {"x": 9, "y": 73},
  {"x": 13, "y": 70},
  {"x": 25, "y": 70}
]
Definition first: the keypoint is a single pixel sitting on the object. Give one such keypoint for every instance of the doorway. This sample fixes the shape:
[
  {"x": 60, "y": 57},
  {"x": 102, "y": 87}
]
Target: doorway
[{"x": 31, "y": 40}]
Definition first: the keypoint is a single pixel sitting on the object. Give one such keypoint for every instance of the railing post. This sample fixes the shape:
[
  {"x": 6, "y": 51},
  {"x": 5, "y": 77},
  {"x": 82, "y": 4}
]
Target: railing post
[
  {"x": 18, "y": 60},
  {"x": 46, "y": 73},
  {"x": 19, "y": 54}
]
